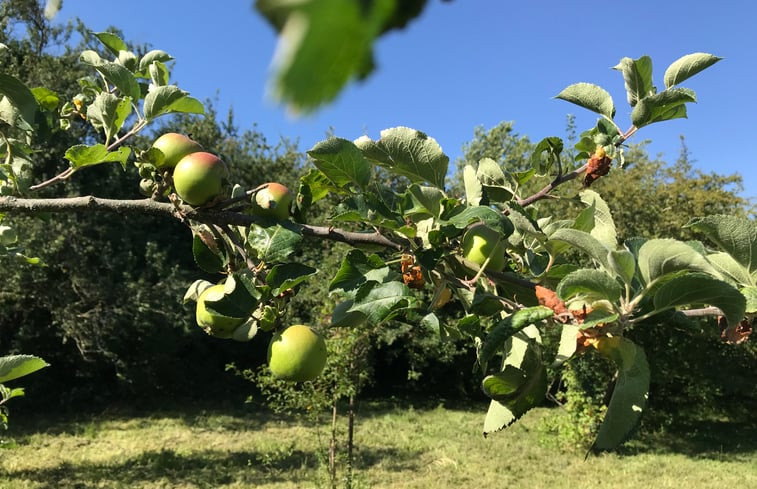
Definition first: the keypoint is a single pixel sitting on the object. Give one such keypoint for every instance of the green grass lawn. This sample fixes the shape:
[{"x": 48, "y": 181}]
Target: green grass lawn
[{"x": 395, "y": 448}]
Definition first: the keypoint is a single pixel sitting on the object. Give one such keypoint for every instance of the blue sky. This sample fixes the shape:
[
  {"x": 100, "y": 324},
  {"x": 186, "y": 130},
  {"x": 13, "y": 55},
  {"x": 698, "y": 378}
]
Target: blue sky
[{"x": 469, "y": 63}]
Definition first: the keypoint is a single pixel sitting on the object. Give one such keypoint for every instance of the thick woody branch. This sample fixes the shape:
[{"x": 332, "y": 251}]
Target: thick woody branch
[{"x": 206, "y": 216}]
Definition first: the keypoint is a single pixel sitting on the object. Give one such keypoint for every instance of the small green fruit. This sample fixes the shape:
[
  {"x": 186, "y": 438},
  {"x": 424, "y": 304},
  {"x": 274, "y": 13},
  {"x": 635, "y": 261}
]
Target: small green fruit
[
  {"x": 215, "y": 324},
  {"x": 272, "y": 201},
  {"x": 297, "y": 354},
  {"x": 199, "y": 178},
  {"x": 481, "y": 242},
  {"x": 174, "y": 147}
]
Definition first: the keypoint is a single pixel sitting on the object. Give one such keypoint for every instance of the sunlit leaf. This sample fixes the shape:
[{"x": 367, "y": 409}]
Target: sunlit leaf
[
  {"x": 659, "y": 257},
  {"x": 341, "y": 161},
  {"x": 590, "y": 285},
  {"x": 275, "y": 243},
  {"x": 15, "y": 366},
  {"x": 589, "y": 96},
  {"x": 82, "y": 155},
  {"x": 408, "y": 152},
  {"x": 698, "y": 288},
  {"x": 168, "y": 99},
  {"x": 637, "y": 74},
  {"x": 688, "y": 66},
  {"x": 629, "y": 395},
  {"x": 734, "y": 235}
]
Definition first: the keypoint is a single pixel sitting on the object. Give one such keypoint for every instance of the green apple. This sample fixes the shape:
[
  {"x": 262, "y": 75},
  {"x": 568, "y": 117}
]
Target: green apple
[
  {"x": 481, "y": 242},
  {"x": 297, "y": 354},
  {"x": 273, "y": 200},
  {"x": 174, "y": 147},
  {"x": 215, "y": 324},
  {"x": 199, "y": 178}
]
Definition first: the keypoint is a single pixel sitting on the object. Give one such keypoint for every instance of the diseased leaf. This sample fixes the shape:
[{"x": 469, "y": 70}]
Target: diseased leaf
[
  {"x": 589, "y": 96},
  {"x": 688, "y": 66}
]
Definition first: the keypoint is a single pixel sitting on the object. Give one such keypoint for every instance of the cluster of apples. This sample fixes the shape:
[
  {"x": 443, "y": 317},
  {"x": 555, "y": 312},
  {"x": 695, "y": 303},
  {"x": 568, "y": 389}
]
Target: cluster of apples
[{"x": 298, "y": 353}]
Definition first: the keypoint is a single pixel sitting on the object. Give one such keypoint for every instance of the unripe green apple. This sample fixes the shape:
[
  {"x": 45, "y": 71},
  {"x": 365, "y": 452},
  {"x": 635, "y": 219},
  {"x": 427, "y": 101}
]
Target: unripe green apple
[
  {"x": 297, "y": 354},
  {"x": 199, "y": 178},
  {"x": 481, "y": 242},
  {"x": 174, "y": 147},
  {"x": 215, "y": 324},
  {"x": 273, "y": 200}
]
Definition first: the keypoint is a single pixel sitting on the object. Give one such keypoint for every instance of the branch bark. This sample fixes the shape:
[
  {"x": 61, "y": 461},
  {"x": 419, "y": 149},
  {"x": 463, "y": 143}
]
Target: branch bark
[{"x": 182, "y": 212}]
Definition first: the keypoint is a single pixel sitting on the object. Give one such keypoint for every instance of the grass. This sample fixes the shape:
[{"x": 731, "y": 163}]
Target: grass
[{"x": 396, "y": 448}]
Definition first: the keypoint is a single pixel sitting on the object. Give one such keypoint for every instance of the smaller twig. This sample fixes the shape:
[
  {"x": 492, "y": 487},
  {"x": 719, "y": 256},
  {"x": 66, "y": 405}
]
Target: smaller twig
[
  {"x": 238, "y": 246},
  {"x": 705, "y": 311}
]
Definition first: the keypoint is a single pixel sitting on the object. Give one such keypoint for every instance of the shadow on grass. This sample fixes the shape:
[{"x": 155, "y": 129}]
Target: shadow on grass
[
  {"x": 207, "y": 468},
  {"x": 701, "y": 439},
  {"x": 204, "y": 469}
]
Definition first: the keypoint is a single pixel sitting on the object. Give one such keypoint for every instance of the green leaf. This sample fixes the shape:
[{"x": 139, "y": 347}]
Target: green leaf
[
  {"x": 546, "y": 154},
  {"x": 623, "y": 264},
  {"x": 206, "y": 252},
  {"x": 82, "y": 155},
  {"x": 474, "y": 191},
  {"x": 150, "y": 57},
  {"x": 734, "y": 235},
  {"x": 322, "y": 45},
  {"x": 493, "y": 180},
  {"x": 170, "y": 99},
  {"x": 688, "y": 66},
  {"x": 486, "y": 215},
  {"x": 504, "y": 386},
  {"x": 426, "y": 202},
  {"x": 8, "y": 236},
  {"x": 287, "y": 276},
  {"x": 108, "y": 113},
  {"x": 568, "y": 344},
  {"x": 659, "y": 257},
  {"x": 604, "y": 225},
  {"x": 195, "y": 289},
  {"x": 663, "y": 106},
  {"x": 522, "y": 354},
  {"x": 589, "y": 96},
  {"x": 637, "y": 74},
  {"x": 730, "y": 269},
  {"x": 590, "y": 285},
  {"x": 15, "y": 366},
  {"x": 629, "y": 396},
  {"x": 508, "y": 327},
  {"x": 275, "y": 243},
  {"x": 698, "y": 288},
  {"x": 46, "y": 98},
  {"x": 342, "y": 162},
  {"x": 19, "y": 97},
  {"x": 408, "y": 152},
  {"x": 111, "y": 41},
  {"x": 750, "y": 294},
  {"x": 115, "y": 74},
  {"x": 380, "y": 302},
  {"x": 584, "y": 242},
  {"x": 356, "y": 269}
]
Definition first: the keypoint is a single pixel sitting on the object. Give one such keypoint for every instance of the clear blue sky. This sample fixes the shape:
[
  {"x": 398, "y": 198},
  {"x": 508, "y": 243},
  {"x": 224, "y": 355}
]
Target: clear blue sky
[{"x": 469, "y": 63}]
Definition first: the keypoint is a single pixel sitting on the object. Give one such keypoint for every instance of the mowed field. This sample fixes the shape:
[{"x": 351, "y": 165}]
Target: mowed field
[{"x": 396, "y": 447}]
